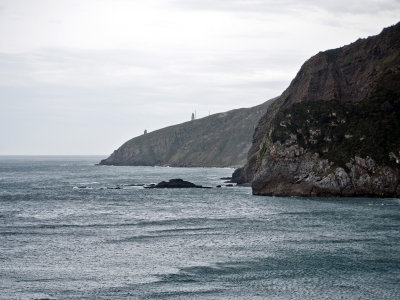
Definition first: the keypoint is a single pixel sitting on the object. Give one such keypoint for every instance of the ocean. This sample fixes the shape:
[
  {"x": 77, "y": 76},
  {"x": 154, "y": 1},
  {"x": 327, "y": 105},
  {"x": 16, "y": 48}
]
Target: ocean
[{"x": 72, "y": 230}]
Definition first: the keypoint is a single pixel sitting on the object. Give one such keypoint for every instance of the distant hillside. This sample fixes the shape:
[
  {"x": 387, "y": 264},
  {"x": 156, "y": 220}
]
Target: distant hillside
[
  {"x": 219, "y": 140},
  {"x": 335, "y": 131}
]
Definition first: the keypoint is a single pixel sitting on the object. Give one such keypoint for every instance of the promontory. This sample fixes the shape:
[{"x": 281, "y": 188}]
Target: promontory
[
  {"x": 335, "y": 131},
  {"x": 219, "y": 140}
]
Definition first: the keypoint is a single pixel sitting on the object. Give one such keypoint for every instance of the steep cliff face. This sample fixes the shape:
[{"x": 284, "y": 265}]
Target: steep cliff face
[
  {"x": 336, "y": 129},
  {"x": 219, "y": 140}
]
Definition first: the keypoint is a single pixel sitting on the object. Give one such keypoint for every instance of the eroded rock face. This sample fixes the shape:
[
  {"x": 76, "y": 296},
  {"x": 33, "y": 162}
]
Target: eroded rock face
[
  {"x": 335, "y": 130},
  {"x": 285, "y": 174}
]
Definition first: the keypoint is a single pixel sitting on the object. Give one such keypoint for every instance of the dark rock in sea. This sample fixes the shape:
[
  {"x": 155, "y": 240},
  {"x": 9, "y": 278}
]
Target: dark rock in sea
[
  {"x": 229, "y": 185},
  {"x": 335, "y": 131},
  {"x": 149, "y": 186},
  {"x": 218, "y": 186},
  {"x": 175, "y": 184},
  {"x": 226, "y": 178},
  {"x": 114, "y": 188}
]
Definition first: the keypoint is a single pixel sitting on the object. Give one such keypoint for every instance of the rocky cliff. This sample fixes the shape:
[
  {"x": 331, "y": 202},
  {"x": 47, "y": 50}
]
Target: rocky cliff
[
  {"x": 219, "y": 140},
  {"x": 335, "y": 131}
]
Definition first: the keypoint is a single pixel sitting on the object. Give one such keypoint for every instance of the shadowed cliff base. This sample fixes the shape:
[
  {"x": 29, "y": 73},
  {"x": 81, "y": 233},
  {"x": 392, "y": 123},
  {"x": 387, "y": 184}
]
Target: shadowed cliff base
[{"x": 335, "y": 131}]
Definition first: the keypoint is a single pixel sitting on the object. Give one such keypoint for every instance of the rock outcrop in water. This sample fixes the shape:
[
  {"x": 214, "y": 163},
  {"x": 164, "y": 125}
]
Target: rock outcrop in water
[
  {"x": 335, "y": 131},
  {"x": 175, "y": 184},
  {"x": 219, "y": 140}
]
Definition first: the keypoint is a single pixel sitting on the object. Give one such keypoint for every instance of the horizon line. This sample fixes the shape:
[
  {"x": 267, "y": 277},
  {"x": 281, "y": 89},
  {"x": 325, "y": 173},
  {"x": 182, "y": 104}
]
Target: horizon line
[{"x": 54, "y": 154}]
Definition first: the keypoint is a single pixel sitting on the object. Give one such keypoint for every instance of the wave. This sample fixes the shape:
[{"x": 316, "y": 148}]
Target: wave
[
  {"x": 187, "y": 221},
  {"x": 171, "y": 222},
  {"x": 188, "y": 293},
  {"x": 160, "y": 236}
]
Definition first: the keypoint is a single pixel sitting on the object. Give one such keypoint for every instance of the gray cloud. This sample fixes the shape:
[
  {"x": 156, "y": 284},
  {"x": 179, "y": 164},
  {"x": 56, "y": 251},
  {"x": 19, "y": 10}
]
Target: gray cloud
[
  {"x": 286, "y": 6},
  {"x": 115, "y": 94},
  {"x": 139, "y": 70},
  {"x": 82, "y": 77}
]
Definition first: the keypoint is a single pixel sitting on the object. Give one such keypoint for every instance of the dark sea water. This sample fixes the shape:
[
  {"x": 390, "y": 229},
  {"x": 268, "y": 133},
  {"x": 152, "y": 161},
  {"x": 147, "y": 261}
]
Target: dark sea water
[{"x": 58, "y": 241}]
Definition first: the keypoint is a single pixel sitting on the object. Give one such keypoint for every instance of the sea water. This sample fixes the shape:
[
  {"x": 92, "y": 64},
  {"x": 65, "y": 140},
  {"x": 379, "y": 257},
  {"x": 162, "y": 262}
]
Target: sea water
[{"x": 67, "y": 231}]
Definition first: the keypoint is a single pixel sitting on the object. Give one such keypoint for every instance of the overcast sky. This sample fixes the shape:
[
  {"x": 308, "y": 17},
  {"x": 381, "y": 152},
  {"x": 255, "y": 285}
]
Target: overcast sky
[{"x": 82, "y": 77}]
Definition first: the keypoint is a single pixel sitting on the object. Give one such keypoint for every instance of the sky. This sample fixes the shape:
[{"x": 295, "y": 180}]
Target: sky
[{"x": 81, "y": 77}]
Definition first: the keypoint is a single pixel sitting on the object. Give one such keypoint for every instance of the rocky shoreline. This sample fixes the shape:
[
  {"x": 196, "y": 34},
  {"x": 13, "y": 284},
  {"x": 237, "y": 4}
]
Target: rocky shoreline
[{"x": 335, "y": 131}]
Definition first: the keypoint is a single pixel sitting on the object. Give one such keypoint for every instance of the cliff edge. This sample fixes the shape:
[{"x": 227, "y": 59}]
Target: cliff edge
[{"x": 335, "y": 131}]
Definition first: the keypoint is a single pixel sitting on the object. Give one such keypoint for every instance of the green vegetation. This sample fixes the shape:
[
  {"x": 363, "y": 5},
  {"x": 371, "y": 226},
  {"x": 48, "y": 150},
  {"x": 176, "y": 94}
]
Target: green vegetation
[
  {"x": 339, "y": 131},
  {"x": 262, "y": 151},
  {"x": 332, "y": 55}
]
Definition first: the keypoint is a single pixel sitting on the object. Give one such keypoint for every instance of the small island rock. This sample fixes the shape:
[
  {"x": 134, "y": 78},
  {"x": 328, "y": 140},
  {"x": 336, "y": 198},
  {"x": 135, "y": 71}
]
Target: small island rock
[{"x": 174, "y": 184}]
